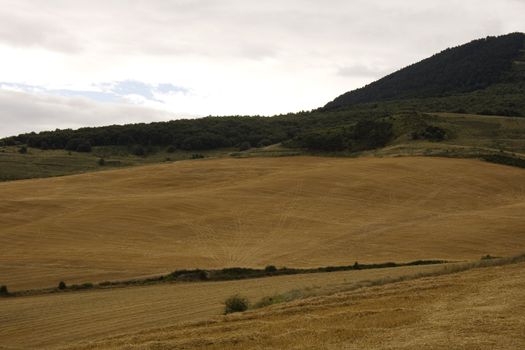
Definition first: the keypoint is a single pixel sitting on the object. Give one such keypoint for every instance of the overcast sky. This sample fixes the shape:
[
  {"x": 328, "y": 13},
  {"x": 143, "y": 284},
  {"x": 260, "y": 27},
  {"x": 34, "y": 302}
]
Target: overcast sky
[{"x": 72, "y": 63}]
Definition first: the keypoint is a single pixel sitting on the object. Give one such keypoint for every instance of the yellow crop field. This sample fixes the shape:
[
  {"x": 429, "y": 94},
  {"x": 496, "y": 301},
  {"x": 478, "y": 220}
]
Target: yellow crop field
[
  {"x": 477, "y": 309},
  {"x": 295, "y": 212},
  {"x": 53, "y": 320}
]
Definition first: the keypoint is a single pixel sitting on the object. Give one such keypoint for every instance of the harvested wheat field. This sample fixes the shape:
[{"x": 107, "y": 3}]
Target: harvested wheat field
[
  {"x": 479, "y": 309},
  {"x": 296, "y": 212},
  {"x": 54, "y": 319}
]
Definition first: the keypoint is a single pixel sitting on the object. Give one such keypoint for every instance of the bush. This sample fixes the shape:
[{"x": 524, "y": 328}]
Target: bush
[
  {"x": 434, "y": 133},
  {"x": 22, "y": 150},
  {"x": 79, "y": 145},
  {"x": 84, "y": 146},
  {"x": 62, "y": 285},
  {"x": 101, "y": 162},
  {"x": 197, "y": 156},
  {"x": 324, "y": 141},
  {"x": 171, "y": 149},
  {"x": 370, "y": 134},
  {"x": 235, "y": 303},
  {"x": 3, "y": 290},
  {"x": 138, "y": 151},
  {"x": 264, "y": 143},
  {"x": 270, "y": 268},
  {"x": 244, "y": 146}
]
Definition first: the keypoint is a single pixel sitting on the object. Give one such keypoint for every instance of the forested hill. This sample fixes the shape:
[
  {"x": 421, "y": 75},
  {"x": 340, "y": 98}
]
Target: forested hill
[
  {"x": 465, "y": 68},
  {"x": 485, "y": 76}
]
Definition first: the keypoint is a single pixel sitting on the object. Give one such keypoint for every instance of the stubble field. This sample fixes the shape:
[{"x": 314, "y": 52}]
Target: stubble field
[{"x": 295, "y": 212}]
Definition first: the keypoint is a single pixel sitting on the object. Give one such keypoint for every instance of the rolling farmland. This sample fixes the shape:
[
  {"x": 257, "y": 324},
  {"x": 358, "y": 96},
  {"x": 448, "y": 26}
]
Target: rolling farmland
[{"x": 296, "y": 212}]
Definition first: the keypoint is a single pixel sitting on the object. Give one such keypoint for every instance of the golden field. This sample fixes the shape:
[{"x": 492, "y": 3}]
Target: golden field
[
  {"x": 482, "y": 308},
  {"x": 296, "y": 212},
  {"x": 53, "y": 320}
]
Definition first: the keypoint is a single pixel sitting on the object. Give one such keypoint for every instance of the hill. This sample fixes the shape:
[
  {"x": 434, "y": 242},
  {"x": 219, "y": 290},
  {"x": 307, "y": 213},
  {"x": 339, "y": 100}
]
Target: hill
[
  {"x": 484, "y": 77},
  {"x": 473, "y": 66},
  {"x": 295, "y": 212}
]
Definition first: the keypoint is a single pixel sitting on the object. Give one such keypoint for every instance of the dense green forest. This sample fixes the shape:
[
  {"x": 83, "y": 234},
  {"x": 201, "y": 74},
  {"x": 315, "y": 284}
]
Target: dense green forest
[
  {"x": 473, "y": 66},
  {"x": 486, "y": 77}
]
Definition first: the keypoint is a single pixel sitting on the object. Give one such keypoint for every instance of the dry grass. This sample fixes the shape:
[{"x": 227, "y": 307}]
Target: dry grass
[
  {"x": 473, "y": 310},
  {"x": 297, "y": 212},
  {"x": 58, "y": 319}
]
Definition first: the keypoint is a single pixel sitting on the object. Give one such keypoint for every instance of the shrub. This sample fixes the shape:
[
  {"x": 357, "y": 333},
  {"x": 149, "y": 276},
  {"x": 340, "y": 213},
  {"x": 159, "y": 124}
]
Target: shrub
[
  {"x": 264, "y": 143},
  {"x": 190, "y": 275},
  {"x": 434, "y": 133},
  {"x": 22, "y": 150},
  {"x": 62, "y": 285},
  {"x": 138, "y": 151},
  {"x": 79, "y": 145},
  {"x": 197, "y": 156},
  {"x": 101, "y": 162},
  {"x": 84, "y": 146},
  {"x": 333, "y": 140},
  {"x": 3, "y": 290},
  {"x": 270, "y": 268},
  {"x": 244, "y": 146},
  {"x": 87, "y": 285},
  {"x": 171, "y": 149},
  {"x": 235, "y": 303}
]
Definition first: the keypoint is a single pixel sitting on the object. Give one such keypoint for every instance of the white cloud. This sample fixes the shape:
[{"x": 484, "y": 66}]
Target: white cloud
[{"x": 25, "y": 112}]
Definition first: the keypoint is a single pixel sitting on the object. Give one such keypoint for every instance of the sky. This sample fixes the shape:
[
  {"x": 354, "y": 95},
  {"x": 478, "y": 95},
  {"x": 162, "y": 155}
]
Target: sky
[{"x": 72, "y": 63}]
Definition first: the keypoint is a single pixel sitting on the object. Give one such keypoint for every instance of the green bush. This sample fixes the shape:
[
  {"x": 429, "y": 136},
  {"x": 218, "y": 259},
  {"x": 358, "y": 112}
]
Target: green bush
[
  {"x": 138, "y": 151},
  {"x": 235, "y": 303},
  {"x": 22, "y": 150},
  {"x": 244, "y": 146},
  {"x": 84, "y": 146},
  {"x": 62, "y": 285},
  {"x": 101, "y": 162},
  {"x": 270, "y": 269},
  {"x": 3, "y": 290},
  {"x": 264, "y": 143}
]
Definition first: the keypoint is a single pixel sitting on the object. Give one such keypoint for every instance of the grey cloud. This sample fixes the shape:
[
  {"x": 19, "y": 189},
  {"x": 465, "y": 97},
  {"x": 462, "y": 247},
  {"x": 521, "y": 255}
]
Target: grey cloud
[
  {"x": 26, "y": 29},
  {"x": 252, "y": 29}
]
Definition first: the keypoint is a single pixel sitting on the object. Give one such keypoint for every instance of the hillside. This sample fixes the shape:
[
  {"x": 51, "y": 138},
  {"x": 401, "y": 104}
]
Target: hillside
[
  {"x": 484, "y": 77},
  {"x": 95, "y": 314},
  {"x": 473, "y": 310},
  {"x": 295, "y": 212},
  {"x": 473, "y": 66}
]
